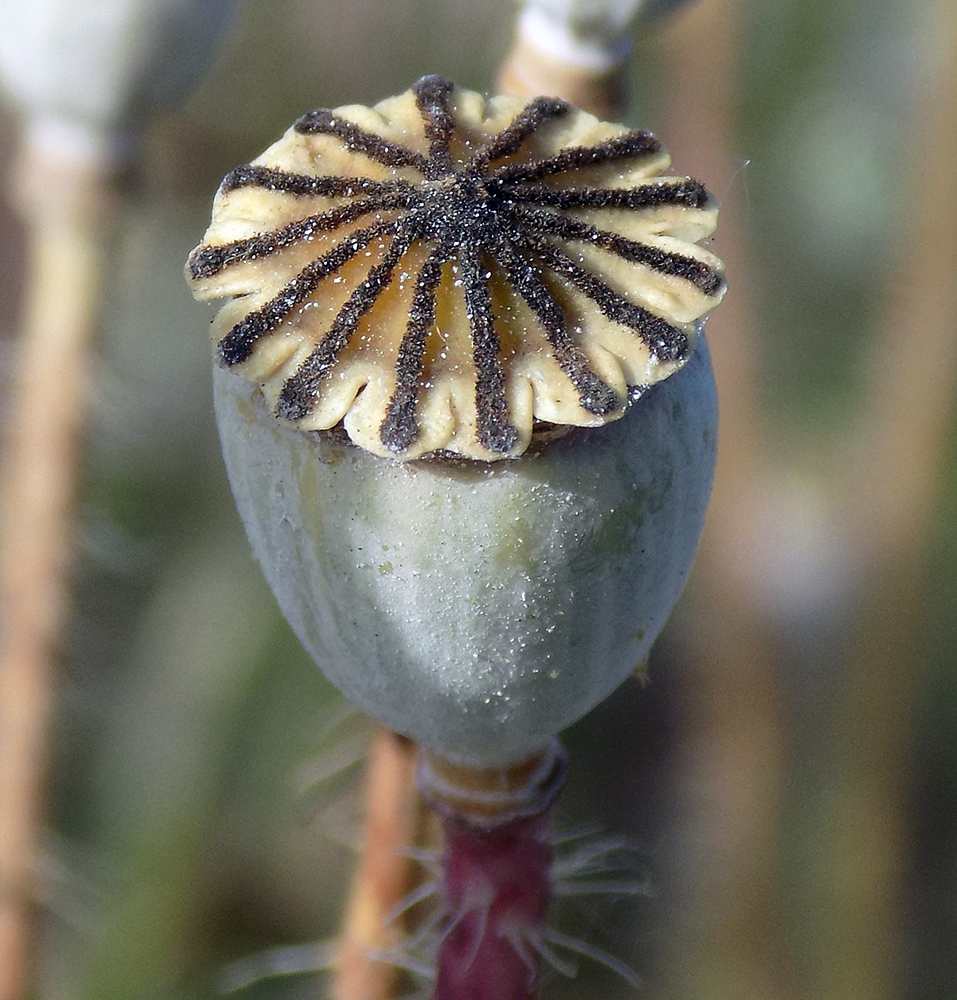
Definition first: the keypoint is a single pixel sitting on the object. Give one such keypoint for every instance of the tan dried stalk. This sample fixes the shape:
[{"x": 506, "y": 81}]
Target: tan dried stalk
[
  {"x": 732, "y": 946},
  {"x": 528, "y": 71},
  {"x": 63, "y": 210},
  {"x": 385, "y": 872}
]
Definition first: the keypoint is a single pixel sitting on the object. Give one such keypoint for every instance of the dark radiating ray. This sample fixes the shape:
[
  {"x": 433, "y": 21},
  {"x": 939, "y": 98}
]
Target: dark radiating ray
[
  {"x": 493, "y": 428},
  {"x": 594, "y": 394},
  {"x": 299, "y": 391},
  {"x": 542, "y": 220},
  {"x": 400, "y": 428},
  {"x": 305, "y": 185},
  {"x": 667, "y": 342},
  {"x": 432, "y": 98},
  {"x": 535, "y": 114},
  {"x": 622, "y": 147},
  {"x": 238, "y": 344},
  {"x": 207, "y": 261},
  {"x": 358, "y": 140},
  {"x": 685, "y": 193}
]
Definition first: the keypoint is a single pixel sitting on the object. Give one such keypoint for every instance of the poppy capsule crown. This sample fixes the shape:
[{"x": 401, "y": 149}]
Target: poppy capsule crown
[
  {"x": 445, "y": 277},
  {"x": 443, "y": 272}
]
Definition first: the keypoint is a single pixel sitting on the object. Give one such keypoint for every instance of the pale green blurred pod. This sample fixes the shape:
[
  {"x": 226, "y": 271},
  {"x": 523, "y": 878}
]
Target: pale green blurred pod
[{"x": 86, "y": 72}]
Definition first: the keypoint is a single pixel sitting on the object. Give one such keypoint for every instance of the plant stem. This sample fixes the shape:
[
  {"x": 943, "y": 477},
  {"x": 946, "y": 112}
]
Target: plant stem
[
  {"x": 496, "y": 887},
  {"x": 531, "y": 68},
  {"x": 384, "y": 874},
  {"x": 733, "y": 943},
  {"x": 528, "y": 72},
  {"x": 61, "y": 205},
  {"x": 496, "y": 871}
]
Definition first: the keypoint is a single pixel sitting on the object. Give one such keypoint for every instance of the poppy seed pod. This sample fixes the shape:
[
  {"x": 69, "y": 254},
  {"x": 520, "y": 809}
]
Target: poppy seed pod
[{"x": 474, "y": 438}]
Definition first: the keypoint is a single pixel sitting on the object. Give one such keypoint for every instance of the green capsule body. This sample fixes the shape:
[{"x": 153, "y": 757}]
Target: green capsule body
[{"x": 479, "y": 608}]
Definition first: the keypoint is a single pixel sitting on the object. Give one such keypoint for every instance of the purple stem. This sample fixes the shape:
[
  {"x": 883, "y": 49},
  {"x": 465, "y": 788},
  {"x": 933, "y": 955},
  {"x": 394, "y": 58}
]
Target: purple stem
[{"x": 496, "y": 887}]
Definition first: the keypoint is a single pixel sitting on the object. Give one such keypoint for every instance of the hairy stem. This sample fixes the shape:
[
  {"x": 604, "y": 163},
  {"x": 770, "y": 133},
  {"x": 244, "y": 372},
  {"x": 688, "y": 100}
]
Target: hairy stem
[
  {"x": 496, "y": 887},
  {"x": 496, "y": 871}
]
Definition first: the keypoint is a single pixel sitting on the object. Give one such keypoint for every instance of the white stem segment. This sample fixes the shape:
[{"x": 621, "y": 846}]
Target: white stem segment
[
  {"x": 577, "y": 49},
  {"x": 592, "y": 35},
  {"x": 479, "y": 608}
]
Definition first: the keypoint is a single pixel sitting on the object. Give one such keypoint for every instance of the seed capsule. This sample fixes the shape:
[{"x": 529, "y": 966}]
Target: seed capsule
[{"x": 431, "y": 302}]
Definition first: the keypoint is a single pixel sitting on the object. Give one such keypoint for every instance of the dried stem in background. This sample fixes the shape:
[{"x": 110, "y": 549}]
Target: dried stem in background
[
  {"x": 385, "y": 872},
  {"x": 897, "y": 458},
  {"x": 528, "y": 71},
  {"x": 531, "y": 68},
  {"x": 63, "y": 208},
  {"x": 732, "y": 946}
]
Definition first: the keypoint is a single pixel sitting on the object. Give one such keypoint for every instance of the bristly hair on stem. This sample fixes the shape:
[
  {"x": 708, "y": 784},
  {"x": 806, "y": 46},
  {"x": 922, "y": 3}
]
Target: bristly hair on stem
[{"x": 496, "y": 889}]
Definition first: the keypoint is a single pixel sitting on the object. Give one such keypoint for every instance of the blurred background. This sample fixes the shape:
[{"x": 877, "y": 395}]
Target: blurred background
[{"x": 789, "y": 774}]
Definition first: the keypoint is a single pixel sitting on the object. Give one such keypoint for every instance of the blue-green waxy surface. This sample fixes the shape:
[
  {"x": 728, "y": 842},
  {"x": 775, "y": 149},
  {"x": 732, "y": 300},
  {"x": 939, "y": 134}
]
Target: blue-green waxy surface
[{"x": 479, "y": 608}]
